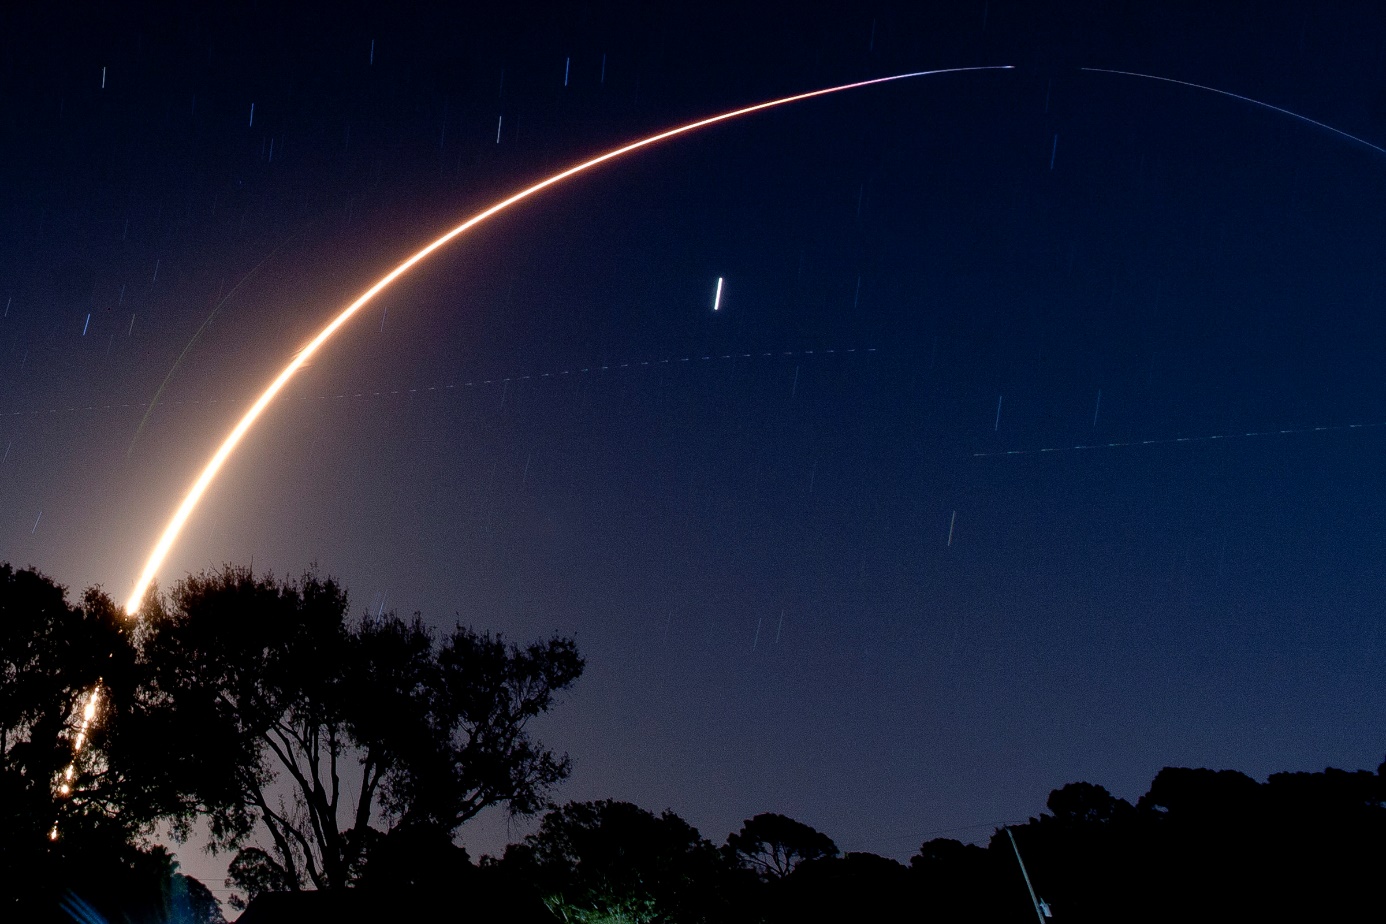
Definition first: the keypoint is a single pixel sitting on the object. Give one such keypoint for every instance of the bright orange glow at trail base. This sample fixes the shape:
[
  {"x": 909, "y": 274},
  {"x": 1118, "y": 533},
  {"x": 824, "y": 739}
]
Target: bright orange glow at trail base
[{"x": 228, "y": 445}]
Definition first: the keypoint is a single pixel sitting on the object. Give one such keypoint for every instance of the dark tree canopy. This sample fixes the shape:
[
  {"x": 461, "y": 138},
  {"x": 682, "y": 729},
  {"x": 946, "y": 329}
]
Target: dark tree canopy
[
  {"x": 1087, "y": 804},
  {"x": 81, "y": 839},
  {"x": 333, "y": 752},
  {"x": 957, "y": 880},
  {"x": 852, "y": 887},
  {"x": 614, "y": 861},
  {"x": 1213, "y": 845},
  {"x": 773, "y": 845},
  {"x": 319, "y": 744},
  {"x": 53, "y": 655},
  {"x": 319, "y": 728}
]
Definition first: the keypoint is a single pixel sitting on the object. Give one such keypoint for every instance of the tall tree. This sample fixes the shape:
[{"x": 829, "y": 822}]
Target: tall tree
[
  {"x": 53, "y": 655},
  {"x": 79, "y": 793},
  {"x": 773, "y": 845},
  {"x": 314, "y": 729}
]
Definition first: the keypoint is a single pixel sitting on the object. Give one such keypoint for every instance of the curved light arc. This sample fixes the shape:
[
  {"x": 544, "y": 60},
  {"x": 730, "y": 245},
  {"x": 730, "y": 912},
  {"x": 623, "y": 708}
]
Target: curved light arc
[
  {"x": 228, "y": 445},
  {"x": 1246, "y": 99}
]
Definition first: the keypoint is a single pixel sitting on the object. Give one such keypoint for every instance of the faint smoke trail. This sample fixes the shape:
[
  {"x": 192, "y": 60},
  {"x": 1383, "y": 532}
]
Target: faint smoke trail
[
  {"x": 179, "y": 361},
  {"x": 228, "y": 445},
  {"x": 1245, "y": 99}
]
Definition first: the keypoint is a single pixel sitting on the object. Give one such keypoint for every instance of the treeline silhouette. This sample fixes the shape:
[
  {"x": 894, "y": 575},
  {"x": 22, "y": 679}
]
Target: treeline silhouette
[
  {"x": 1201, "y": 845},
  {"x": 337, "y": 760},
  {"x": 313, "y": 747}
]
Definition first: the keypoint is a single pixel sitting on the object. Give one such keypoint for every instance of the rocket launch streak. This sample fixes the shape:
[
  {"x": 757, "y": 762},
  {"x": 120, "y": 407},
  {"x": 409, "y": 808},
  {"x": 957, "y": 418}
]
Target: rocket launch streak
[{"x": 228, "y": 445}]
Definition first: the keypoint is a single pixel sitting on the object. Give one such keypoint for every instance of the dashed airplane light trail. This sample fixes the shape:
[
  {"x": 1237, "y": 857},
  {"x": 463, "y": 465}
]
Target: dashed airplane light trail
[
  {"x": 228, "y": 445},
  {"x": 1170, "y": 440},
  {"x": 1221, "y": 436},
  {"x": 553, "y": 375}
]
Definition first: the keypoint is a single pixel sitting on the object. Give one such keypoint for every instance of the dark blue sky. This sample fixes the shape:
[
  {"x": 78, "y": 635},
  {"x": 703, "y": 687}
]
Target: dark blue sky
[{"x": 752, "y": 547}]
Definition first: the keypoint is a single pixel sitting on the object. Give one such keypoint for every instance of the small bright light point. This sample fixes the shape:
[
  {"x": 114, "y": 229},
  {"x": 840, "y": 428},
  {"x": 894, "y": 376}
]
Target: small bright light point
[
  {"x": 53, "y": 834},
  {"x": 717, "y": 297},
  {"x": 67, "y": 774},
  {"x": 64, "y": 789}
]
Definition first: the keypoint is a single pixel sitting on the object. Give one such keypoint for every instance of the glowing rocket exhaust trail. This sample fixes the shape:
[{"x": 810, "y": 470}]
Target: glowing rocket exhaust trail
[
  {"x": 228, "y": 445},
  {"x": 1246, "y": 99}
]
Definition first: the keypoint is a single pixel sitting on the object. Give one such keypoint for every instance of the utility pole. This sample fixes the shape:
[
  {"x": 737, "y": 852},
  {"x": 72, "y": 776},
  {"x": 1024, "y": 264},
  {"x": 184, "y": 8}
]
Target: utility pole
[{"x": 1041, "y": 908}]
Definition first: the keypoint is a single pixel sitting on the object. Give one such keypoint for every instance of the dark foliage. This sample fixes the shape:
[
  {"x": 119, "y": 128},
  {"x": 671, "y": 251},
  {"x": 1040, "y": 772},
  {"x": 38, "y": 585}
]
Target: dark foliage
[
  {"x": 79, "y": 842},
  {"x": 275, "y": 689},
  {"x": 853, "y": 887},
  {"x": 615, "y": 862},
  {"x": 1208, "y": 845},
  {"x": 956, "y": 881},
  {"x": 1201, "y": 845},
  {"x": 248, "y": 702},
  {"x": 773, "y": 845},
  {"x": 232, "y": 682}
]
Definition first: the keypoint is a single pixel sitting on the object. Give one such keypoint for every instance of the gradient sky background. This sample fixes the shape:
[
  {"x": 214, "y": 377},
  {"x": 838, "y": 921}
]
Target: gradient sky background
[{"x": 753, "y": 551}]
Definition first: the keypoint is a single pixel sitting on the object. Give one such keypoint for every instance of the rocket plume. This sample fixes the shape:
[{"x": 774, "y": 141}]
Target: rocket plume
[{"x": 228, "y": 445}]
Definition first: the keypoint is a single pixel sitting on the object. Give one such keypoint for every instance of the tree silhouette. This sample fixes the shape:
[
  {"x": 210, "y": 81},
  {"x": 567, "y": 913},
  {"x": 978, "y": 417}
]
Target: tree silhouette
[
  {"x": 1087, "y": 804},
  {"x": 337, "y": 752},
  {"x": 958, "y": 881},
  {"x": 615, "y": 862},
  {"x": 852, "y": 887},
  {"x": 773, "y": 845},
  {"x": 52, "y": 655},
  {"x": 281, "y": 699},
  {"x": 76, "y": 837}
]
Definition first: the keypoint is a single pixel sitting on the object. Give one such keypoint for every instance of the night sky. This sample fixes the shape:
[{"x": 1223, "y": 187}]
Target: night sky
[{"x": 806, "y": 578}]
